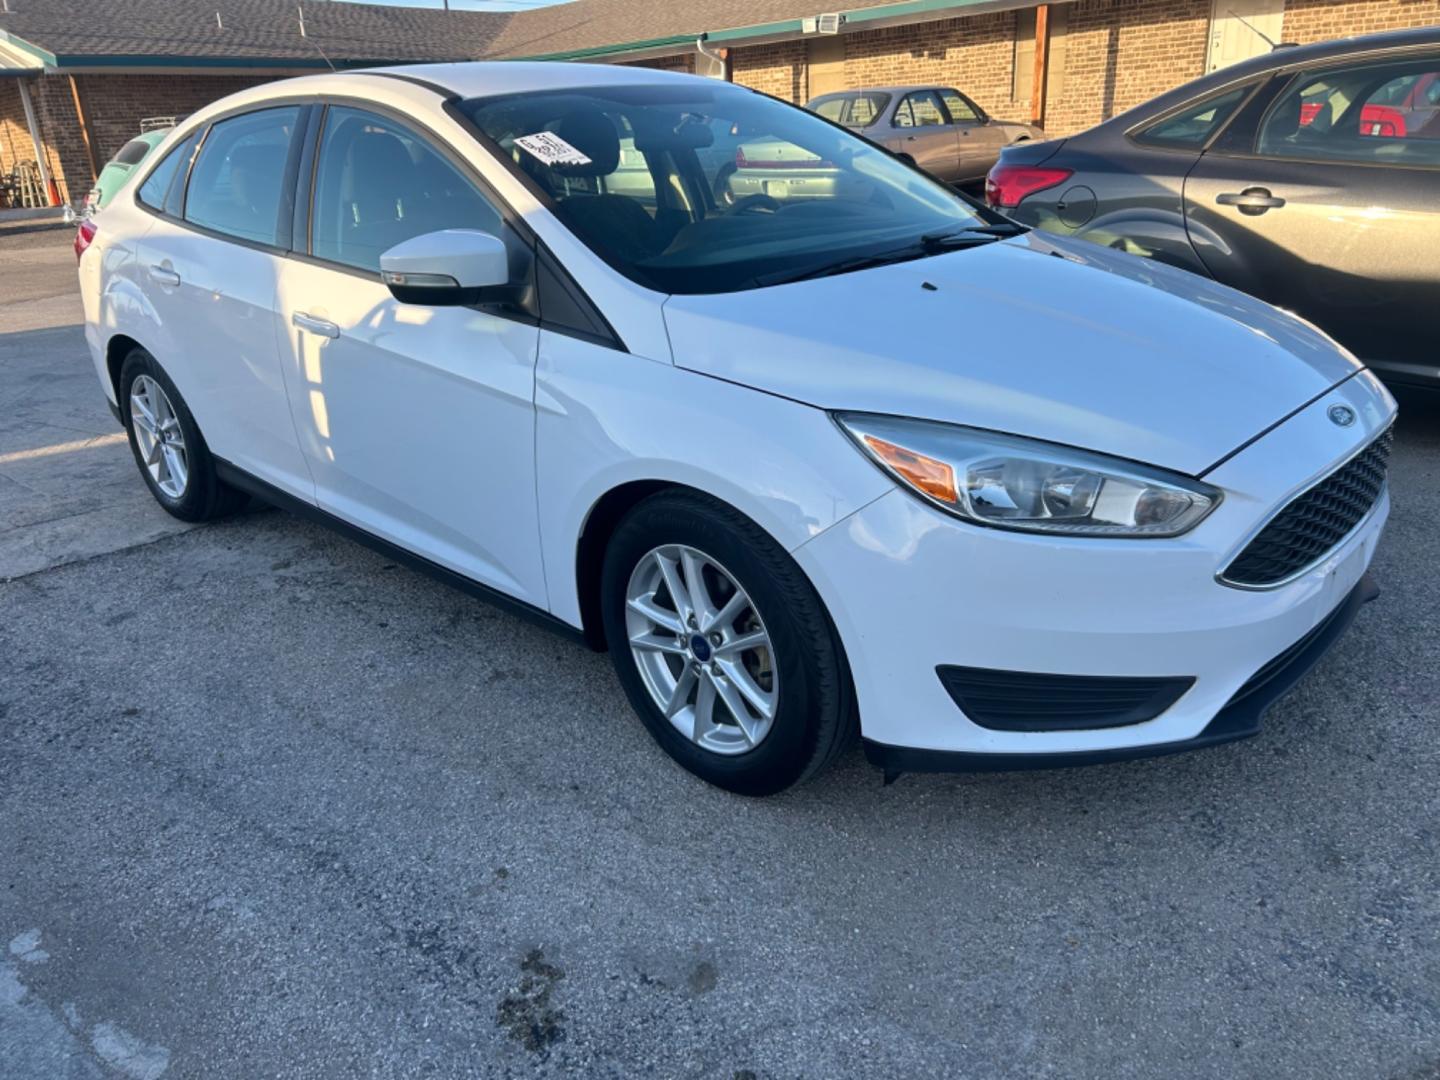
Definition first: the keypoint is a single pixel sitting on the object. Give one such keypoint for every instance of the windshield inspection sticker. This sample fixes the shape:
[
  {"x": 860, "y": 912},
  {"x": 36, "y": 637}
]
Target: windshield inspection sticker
[{"x": 551, "y": 149}]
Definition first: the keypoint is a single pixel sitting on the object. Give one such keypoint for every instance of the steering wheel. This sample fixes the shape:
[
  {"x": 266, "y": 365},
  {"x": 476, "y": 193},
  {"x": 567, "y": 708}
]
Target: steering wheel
[{"x": 756, "y": 202}]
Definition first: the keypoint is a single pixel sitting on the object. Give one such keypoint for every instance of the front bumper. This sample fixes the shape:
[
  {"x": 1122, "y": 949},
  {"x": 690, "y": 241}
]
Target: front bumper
[
  {"x": 912, "y": 590},
  {"x": 1237, "y": 720}
]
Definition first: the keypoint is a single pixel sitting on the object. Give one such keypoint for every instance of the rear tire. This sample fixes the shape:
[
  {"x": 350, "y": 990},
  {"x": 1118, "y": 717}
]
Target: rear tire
[
  {"x": 170, "y": 451},
  {"x": 799, "y": 672}
]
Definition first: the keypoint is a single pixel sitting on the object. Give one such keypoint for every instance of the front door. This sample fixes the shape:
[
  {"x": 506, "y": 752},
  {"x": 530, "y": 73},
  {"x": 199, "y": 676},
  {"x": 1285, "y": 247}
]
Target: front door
[
  {"x": 418, "y": 422},
  {"x": 924, "y": 134},
  {"x": 1321, "y": 210}
]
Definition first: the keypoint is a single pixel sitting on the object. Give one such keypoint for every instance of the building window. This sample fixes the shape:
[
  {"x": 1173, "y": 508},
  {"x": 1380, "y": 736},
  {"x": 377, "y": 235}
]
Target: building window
[{"x": 1023, "y": 69}]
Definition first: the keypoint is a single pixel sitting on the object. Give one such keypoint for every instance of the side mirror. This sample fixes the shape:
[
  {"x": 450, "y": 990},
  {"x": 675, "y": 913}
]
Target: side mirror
[{"x": 447, "y": 268}]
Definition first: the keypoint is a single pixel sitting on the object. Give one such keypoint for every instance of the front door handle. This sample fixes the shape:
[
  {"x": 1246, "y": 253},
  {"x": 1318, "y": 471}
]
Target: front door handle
[
  {"x": 310, "y": 324},
  {"x": 1251, "y": 201},
  {"x": 164, "y": 275}
]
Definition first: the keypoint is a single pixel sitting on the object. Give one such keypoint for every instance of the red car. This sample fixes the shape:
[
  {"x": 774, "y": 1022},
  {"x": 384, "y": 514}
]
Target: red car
[{"x": 1410, "y": 109}]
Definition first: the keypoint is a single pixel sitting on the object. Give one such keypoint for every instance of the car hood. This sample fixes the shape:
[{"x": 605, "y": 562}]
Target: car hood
[{"x": 1055, "y": 340}]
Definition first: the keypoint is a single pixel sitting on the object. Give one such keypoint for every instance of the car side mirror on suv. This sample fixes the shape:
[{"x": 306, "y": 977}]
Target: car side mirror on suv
[{"x": 448, "y": 268}]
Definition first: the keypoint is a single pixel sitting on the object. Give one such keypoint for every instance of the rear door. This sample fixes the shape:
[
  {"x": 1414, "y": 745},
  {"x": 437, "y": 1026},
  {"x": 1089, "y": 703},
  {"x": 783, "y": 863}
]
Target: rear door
[
  {"x": 1310, "y": 203},
  {"x": 978, "y": 142},
  {"x": 418, "y": 422},
  {"x": 211, "y": 263},
  {"x": 924, "y": 134}
]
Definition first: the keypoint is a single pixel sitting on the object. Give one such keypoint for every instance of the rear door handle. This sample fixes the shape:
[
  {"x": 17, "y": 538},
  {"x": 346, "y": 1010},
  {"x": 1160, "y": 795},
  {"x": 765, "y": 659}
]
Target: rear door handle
[
  {"x": 164, "y": 275},
  {"x": 1253, "y": 200},
  {"x": 310, "y": 324}
]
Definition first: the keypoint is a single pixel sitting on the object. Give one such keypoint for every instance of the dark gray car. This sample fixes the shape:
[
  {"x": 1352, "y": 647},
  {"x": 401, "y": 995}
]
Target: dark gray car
[
  {"x": 935, "y": 127},
  {"x": 1309, "y": 177}
]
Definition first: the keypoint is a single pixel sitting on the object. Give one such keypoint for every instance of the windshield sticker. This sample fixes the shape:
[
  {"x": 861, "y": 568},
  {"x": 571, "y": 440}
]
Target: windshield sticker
[{"x": 550, "y": 149}]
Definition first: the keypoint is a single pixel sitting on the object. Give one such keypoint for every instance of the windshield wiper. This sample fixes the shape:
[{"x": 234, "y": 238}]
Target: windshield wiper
[{"x": 928, "y": 244}]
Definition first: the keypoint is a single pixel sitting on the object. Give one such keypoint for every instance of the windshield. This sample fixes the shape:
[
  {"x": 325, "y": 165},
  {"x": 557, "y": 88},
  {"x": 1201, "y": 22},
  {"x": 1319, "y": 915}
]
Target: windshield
[{"x": 699, "y": 188}]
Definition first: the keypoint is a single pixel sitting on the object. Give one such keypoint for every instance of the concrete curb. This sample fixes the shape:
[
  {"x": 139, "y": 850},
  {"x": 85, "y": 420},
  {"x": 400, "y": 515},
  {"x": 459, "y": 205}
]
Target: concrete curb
[{"x": 38, "y": 226}]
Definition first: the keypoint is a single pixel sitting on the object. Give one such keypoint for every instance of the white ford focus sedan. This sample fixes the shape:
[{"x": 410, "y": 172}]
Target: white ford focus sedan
[{"x": 879, "y": 464}]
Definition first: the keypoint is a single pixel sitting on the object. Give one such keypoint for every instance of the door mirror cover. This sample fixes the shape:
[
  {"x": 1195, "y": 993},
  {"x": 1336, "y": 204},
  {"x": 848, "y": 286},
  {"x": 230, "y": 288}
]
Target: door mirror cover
[{"x": 447, "y": 268}]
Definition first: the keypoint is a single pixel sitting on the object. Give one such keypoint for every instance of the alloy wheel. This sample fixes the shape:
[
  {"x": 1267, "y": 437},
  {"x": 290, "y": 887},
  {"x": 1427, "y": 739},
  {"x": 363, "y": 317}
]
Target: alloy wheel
[
  {"x": 158, "y": 435},
  {"x": 702, "y": 650}
]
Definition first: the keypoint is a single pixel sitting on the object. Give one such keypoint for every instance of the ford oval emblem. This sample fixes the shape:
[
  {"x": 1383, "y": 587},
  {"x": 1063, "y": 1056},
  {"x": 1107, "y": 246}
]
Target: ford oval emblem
[{"x": 1342, "y": 415}]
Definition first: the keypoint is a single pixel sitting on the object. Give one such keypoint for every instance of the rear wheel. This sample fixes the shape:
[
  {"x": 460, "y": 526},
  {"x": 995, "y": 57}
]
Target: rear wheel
[
  {"x": 168, "y": 446},
  {"x": 723, "y": 646}
]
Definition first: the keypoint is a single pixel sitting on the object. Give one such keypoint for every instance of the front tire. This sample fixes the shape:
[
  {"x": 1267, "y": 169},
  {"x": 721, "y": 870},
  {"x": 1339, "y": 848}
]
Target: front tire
[
  {"x": 723, "y": 647},
  {"x": 171, "y": 453}
]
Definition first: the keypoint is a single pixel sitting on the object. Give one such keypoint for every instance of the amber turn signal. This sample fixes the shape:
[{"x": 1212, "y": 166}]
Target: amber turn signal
[{"x": 934, "y": 478}]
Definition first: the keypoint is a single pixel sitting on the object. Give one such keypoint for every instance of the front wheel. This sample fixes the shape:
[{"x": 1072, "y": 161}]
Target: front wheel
[{"x": 723, "y": 646}]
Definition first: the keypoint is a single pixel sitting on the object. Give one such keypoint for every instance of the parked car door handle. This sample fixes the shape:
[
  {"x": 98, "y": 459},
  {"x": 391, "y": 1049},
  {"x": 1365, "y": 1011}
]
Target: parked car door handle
[
  {"x": 310, "y": 324},
  {"x": 164, "y": 275},
  {"x": 1253, "y": 200}
]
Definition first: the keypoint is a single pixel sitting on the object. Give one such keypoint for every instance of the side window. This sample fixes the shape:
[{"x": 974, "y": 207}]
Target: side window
[
  {"x": 831, "y": 108},
  {"x": 377, "y": 184},
  {"x": 1192, "y": 126},
  {"x": 865, "y": 109},
  {"x": 924, "y": 109},
  {"x": 904, "y": 114},
  {"x": 961, "y": 111},
  {"x": 157, "y": 185},
  {"x": 235, "y": 185},
  {"x": 1377, "y": 113}
]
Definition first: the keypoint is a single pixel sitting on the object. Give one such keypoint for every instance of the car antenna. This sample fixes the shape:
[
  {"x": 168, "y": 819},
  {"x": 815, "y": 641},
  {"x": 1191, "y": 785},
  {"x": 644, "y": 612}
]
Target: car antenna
[
  {"x": 300, "y": 11},
  {"x": 1253, "y": 28}
]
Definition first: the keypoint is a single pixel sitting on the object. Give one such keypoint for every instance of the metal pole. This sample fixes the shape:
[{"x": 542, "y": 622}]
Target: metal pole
[{"x": 52, "y": 194}]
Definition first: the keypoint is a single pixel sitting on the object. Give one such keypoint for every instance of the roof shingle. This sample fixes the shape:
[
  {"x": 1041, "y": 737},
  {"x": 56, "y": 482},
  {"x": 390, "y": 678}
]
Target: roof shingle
[{"x": 250, "y": 29}]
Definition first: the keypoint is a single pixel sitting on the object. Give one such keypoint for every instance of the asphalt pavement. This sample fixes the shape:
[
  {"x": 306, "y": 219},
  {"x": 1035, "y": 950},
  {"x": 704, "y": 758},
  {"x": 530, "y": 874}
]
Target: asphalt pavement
[{"x": 273, "y": 806}]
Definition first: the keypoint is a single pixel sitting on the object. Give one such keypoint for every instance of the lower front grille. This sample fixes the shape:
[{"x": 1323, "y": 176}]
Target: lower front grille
[
  {"x": 1035, "y": 701},
  {"x": 1315, "y": 522}
]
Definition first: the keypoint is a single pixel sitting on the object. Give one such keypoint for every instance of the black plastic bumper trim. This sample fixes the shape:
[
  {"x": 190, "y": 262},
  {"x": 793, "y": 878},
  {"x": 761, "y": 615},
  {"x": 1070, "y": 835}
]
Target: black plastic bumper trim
[
  {"x": 1239, "y": 719},
  {"x": 1038, "y": 701}
]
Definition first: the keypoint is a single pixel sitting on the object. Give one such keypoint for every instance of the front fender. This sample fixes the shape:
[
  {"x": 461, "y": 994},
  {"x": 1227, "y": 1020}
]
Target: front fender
[{"x": 605, "y": 419}]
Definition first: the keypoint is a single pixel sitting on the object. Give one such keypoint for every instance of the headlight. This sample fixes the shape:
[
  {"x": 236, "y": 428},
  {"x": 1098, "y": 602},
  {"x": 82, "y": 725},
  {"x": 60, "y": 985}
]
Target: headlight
[{"x": 1013, "y": 483}]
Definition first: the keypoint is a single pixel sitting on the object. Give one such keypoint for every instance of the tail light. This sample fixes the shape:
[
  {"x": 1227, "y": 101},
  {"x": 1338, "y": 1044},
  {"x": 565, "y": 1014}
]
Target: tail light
[
  {"x": 1007, "y": 185},
  {"x": 1383, "y": 122},
  {"x": 85, "y": 236},
  {"x": 742, "y": 162}
]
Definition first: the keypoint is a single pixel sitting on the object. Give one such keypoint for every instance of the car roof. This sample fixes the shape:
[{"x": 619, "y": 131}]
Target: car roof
[
  {"x": 483, "y": 78},
  {"x": 1285, "y": 56},
  {"x": 892, "y": 90}
]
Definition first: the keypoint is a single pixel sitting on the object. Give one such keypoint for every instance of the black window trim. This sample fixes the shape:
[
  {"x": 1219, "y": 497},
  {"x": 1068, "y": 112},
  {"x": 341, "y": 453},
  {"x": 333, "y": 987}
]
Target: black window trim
[
  {"x": 1292, "y": 77},
  {"x": 304, "y": 102},
  {"x": 1255, "y": 82},
  {"x": 1284, "y": 70},
  {"x": 286, "y": 198}
]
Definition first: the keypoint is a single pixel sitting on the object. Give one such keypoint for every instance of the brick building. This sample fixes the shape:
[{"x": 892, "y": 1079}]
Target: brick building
[{"x": 93, "y": 68}]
